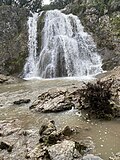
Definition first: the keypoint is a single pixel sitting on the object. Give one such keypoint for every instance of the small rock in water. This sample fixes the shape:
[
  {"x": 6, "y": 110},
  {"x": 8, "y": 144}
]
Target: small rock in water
[
  {"x": 91, "y": 157},
  {"x": 67, "y": 131},
  {"x": 21, "y": 101},
  {"x": 6, "y": 146},
  {"x": 115, "y": 157}
]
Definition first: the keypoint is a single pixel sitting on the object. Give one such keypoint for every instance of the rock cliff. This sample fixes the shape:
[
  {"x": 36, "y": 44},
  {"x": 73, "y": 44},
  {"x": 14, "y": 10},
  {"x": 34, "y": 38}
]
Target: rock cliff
[
  {"x": 102, "y": 19},
  {"x": 13, "y": 39}
]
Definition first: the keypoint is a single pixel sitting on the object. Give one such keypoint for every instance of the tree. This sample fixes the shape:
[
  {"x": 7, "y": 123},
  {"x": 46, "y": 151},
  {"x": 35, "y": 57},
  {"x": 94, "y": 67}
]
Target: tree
[
  {"x": 59, "y": 4},
  {"x": 32, "y": 5}
]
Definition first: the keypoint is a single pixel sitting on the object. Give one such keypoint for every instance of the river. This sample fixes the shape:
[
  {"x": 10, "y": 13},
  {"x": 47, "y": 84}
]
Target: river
[{"x": 104, "y": 134}]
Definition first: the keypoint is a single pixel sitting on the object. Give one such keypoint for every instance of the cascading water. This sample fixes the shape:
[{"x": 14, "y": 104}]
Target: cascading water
[
  {"x": 66, "y": 49},
  {"x": 30, "y": 68}
]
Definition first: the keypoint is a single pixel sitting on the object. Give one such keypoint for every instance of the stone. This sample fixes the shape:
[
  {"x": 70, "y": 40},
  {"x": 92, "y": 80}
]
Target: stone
[
  {"x": 115, "y": 157},
  {"x": 8, "y": 79},
  {"x": 63, "y": 151},
  {"x": 67, "y": 131},
  {"x": 42, "y": 129},
  {"x": 39, "y": 152},
  {"x": 52, "y": 102},
  {"x": 53, "y": 138},
  {"x": 6, "y": 146},
  {"x": 81, "y": 147},
  {"x": 21, "y": 101},
  {"x": 48, "y": 133},
  {"x": 47, "y": 129},
  {"x": 91, "y": 157}
]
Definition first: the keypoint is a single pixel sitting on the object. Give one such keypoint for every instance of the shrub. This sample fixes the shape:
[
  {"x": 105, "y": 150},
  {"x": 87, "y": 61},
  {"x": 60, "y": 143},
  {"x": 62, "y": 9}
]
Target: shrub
[{"x": 97, "y": 96}]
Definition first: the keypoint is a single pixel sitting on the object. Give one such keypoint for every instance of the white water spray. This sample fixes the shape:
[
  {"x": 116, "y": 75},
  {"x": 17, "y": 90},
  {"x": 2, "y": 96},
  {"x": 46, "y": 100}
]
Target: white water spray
[
  {"x": 67, "y": 50},
  {"x": 30, "y": 68}
]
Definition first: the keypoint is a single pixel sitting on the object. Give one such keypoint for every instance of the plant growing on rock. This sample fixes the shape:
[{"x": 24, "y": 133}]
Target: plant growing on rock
[{"x": 97, "y": 97}]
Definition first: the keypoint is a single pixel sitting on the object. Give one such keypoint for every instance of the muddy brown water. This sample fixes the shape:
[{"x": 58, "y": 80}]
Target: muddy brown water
[{"x": 104, "y": 134}]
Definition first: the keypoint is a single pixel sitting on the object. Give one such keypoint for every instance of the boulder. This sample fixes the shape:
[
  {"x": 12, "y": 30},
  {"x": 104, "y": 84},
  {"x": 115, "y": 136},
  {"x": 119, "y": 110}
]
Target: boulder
[
  {"x": 47, "y": 129},
  {"x": 64, "y": 150},
  {"x": 91, "y": 157},
  {"x": 67, "y": 131},
  {"x": 52, "y": 102},
  {"x": 6, "y": 146},
  {"x": 8, "y": 79},
  {"x": 48, "y": 133}
]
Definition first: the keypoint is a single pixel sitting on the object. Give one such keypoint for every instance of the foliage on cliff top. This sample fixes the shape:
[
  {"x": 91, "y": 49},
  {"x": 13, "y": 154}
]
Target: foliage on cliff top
[{"x": 32, "y": 5}]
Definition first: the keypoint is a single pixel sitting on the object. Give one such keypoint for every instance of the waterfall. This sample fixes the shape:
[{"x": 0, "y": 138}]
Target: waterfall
[
  {"x": 30, "y": 68},
  {"x": 66, "y": 51}
]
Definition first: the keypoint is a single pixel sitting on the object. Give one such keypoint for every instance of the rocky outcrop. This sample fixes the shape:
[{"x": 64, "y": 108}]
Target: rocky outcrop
[
  {"x": 54, "y": 101},
  {"x": 8, "y": 79},
  {"x": 13, "y": 39},
  {"x": 102, "y": 19},
  {"x": 16, "y": 143},
  {"x": 60, "y": 148}
]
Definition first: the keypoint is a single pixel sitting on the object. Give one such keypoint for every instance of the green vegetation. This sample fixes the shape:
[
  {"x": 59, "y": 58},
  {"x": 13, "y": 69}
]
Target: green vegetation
[
  {"x": 32, "y": 5},
  {"x": 36, "y": 5},
  {"x": 59, "y": 4}
]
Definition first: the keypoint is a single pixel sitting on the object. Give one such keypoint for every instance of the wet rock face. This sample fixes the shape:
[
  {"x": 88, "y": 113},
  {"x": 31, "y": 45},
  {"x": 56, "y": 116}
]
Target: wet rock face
[
  {"x": 52, "y": 102},
  {"x": 13, "y": 39},
  {"x": 102, "y": 18}
]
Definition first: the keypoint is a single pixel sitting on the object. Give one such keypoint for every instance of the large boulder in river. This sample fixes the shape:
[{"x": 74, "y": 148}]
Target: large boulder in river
[{"x": 53, "y": 102}]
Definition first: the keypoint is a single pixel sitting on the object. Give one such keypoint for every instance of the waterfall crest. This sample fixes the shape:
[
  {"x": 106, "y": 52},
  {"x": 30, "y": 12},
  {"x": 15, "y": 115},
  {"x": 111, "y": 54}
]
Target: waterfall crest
[{"x": 66, "y": 49}]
